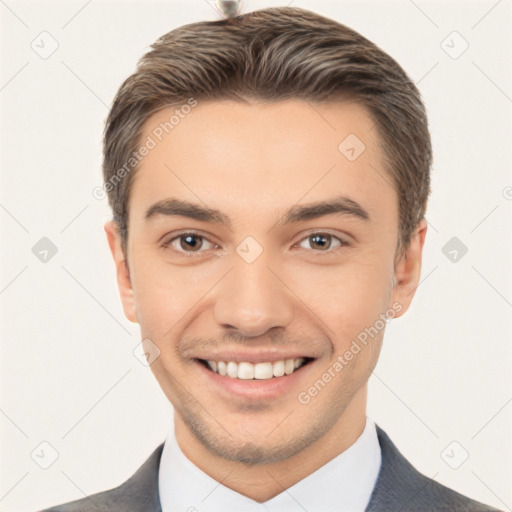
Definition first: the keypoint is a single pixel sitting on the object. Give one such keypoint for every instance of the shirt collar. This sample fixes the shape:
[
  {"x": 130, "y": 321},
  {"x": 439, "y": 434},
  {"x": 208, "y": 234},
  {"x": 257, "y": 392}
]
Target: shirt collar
[{"x": 344, "y": 484}]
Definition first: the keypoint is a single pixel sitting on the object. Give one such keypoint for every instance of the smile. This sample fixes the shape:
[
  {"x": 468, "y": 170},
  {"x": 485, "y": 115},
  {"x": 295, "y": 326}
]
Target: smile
[{"x": 245, "y": 370}]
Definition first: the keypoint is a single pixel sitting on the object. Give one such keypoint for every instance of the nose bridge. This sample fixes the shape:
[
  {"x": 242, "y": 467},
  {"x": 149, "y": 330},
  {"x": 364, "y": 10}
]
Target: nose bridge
[{"x": 252, "y": 299}]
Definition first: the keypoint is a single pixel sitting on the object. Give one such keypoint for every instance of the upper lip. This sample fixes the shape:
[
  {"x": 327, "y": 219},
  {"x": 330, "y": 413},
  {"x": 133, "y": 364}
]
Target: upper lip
[{"x": 260, "y": 356}]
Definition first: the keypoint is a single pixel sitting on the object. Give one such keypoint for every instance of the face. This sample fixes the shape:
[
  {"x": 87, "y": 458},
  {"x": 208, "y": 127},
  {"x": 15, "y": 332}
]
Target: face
[{"x": 258, "y": 248}]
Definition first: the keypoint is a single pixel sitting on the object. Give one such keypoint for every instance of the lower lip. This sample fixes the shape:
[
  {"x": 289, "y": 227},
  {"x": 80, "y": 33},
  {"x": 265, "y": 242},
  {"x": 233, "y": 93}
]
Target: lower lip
[{"x": 257, "y": 389}]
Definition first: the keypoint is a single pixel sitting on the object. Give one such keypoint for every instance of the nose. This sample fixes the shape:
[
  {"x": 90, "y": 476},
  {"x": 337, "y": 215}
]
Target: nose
[{"x": 252, "y": 299}]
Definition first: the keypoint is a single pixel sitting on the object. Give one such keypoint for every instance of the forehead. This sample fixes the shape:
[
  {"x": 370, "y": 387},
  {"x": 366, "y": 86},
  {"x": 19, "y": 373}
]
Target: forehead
[{"x": 256, "y": 155}]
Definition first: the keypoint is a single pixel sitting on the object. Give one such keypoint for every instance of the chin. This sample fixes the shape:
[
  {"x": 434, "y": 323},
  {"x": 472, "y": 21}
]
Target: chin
[
  {"x": 264, "y": 446},
  {"x": 251, "y": 453}
]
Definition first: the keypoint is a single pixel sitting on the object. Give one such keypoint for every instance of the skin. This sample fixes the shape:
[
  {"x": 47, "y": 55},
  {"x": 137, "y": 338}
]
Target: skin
[{"x": 252, "y": 162}]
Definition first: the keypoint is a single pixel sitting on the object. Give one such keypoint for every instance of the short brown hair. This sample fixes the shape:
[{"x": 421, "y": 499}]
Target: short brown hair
[{"x": 269, "y": 55}]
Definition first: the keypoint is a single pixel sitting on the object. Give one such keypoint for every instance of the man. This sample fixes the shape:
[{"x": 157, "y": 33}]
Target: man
[{"x": 268, "y": 176}]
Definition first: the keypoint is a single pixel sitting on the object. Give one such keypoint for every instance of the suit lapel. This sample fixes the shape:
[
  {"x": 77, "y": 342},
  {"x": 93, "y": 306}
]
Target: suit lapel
[
  {"x": 398, "y": 481},
  {"x": 140, "y": 492}
]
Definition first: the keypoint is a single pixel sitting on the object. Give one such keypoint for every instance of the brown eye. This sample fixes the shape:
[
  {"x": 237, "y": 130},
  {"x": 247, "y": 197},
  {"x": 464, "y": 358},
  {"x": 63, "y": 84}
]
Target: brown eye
[
  {"x": 191, "y": 242},
  {"x": 322, "y": 242},
  {"x": 319, "y": 241}
]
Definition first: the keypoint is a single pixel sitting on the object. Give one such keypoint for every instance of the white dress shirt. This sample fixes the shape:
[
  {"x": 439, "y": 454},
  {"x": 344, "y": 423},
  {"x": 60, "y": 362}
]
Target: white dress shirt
[{"x": 344, "y": 484}]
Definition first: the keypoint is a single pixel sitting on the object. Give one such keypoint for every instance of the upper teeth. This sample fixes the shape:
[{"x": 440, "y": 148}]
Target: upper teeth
[{"x": 245, "y": 370}]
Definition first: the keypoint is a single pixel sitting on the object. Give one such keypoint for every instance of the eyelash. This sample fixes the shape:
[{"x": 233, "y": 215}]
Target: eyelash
[{"x": 342, "y": 242}]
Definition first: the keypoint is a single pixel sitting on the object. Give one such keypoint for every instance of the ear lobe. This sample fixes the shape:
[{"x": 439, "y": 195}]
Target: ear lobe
[
  {"x": 122, "y": 270},
  {"x": 408, "y": 269}
]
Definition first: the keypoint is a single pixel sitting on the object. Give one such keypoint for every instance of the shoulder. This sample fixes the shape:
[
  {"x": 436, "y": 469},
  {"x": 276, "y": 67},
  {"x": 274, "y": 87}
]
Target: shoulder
[
  {"x": 400, "y": 486},
  {"x": 138, "y": 494}
]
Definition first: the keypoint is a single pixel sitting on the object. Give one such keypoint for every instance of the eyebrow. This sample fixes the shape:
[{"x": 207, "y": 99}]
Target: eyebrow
[{"x": 338, "y": 205}]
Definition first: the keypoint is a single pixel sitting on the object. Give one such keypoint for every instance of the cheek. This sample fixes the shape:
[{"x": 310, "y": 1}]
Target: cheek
[
  {"x": 164, "y": 293},
  {"x": 158, "y": 294},
  {"x": 347, "y": 299}
]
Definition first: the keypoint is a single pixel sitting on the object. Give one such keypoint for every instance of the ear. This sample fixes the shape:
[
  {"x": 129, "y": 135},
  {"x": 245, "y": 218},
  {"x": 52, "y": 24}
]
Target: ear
[
  {"x": 122, "y": 270},
  {"x": 408, "y": 269}
]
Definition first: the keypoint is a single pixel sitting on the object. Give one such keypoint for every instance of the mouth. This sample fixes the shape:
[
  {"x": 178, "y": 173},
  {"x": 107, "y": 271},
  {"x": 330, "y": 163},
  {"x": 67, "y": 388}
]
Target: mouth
[{"x": 266, "y": 370}]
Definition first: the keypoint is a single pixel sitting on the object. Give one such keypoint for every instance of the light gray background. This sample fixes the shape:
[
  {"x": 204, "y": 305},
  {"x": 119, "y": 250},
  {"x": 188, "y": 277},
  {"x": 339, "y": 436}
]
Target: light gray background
[{"x": 69, "y": 376}]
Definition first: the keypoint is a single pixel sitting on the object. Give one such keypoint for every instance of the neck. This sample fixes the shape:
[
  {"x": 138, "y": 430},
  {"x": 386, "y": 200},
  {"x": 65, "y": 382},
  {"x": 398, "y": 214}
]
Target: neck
[{"x": 264, "y": 481}]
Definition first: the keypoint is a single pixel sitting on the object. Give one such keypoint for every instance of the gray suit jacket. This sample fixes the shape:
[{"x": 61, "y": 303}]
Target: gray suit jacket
[{"x": 399, "y": 487}]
